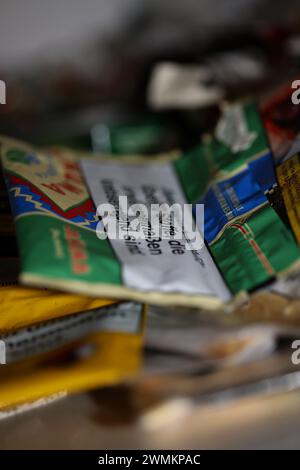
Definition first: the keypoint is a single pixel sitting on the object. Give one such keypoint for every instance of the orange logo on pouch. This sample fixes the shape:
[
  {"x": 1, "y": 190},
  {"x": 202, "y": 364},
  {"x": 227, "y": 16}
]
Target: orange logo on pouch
[
  {"x": 71, "y": 174},
  {"x": 77, "y": 250}
]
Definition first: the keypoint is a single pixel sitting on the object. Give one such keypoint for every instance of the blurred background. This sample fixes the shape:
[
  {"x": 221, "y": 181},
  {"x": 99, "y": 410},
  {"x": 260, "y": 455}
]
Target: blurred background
[{"x": 89, "y": 63}]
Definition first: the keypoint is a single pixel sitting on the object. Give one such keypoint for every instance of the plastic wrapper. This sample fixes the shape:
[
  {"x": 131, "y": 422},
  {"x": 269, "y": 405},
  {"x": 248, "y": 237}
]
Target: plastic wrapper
[
  {"x": 231, "y": 173},
  {"x": 213, "y": 340},
  {"x": 45, "y": 336},
  {"x": 222, "y": 74},
  {"x": 9, "y": 263},
  {"x": 56, "y": 228},
  {"x": 73, "y": 354},
  {"x": 182, "y": 87},
  {"x": 21, "y": 306}
]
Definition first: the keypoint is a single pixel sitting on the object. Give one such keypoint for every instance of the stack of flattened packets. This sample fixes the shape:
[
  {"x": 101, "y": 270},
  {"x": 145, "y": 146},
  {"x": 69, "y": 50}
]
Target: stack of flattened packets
[
  {"x": 55, "y": 342},
  {"x": 214, "y": 229}
]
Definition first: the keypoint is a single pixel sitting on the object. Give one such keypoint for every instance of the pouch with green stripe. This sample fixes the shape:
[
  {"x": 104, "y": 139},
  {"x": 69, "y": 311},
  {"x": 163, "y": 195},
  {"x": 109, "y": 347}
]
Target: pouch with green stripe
[{"x": 57, "y": 225}]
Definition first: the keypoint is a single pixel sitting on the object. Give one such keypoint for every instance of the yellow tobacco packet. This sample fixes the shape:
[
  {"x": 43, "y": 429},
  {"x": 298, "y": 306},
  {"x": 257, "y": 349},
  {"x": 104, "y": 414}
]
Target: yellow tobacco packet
[
  {"x": 111, "y": 354},
  {"x": 288, "y": 174},
  {"x": 21, "y": 306}
]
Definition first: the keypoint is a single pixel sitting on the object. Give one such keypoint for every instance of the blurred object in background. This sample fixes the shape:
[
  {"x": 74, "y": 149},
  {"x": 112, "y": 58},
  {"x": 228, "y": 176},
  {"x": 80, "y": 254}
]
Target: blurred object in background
[{"x": 57, "y": 59}]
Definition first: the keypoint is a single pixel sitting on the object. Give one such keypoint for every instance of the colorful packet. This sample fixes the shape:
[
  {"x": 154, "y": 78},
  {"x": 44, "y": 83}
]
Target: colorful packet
[
  {"x": 46, "y": 336},
  {"x": 56, "y": 228},
  {"x": 21, "y": 306},
  {"x": 238, "y": 144},
  {"x": 253, "y": 251},
  {"x": 111, "y": 354},
  {"x": 239, "y": 138},
  {"x": 230, "y": 174},
  {"x": 288, "y": 174},
  {"x": 249, "y": 239}
]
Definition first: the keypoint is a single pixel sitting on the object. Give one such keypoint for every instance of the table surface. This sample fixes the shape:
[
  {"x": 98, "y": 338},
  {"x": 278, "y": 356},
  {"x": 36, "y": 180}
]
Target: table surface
[{"x": 77, "y": 422}]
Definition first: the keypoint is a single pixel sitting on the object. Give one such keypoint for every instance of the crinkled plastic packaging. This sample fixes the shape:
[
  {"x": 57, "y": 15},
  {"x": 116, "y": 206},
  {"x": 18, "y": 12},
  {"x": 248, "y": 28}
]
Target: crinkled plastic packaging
[
  {"x": 56, "y": 224},
  {"x": 247, "y": 242},
  {"x": 72, "y": 354},
  {"x": 21, "y": 306}
]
